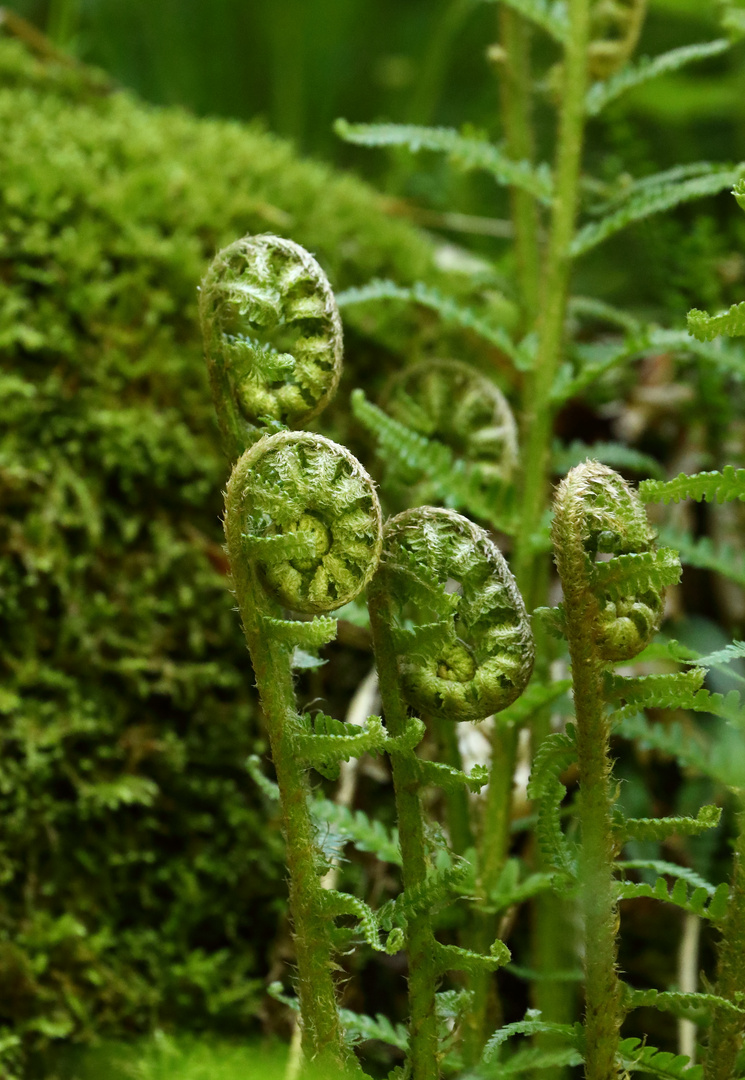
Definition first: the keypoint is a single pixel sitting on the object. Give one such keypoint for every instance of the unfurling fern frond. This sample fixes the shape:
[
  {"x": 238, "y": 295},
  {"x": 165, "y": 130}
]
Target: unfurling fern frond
[
  {"x": 724, "y": 486},
  {"x": 450, "y": 311},
  {"x": 614, "y": 31},
  {"x": 465, "y": 152},
  {"x": 487, "y": 658},
  {"x": 453, "y": 403},
  {"x": 648, "y": 198},
  {"x": 603, "y": 92},
  {"x": 429, "y": 466},
  {"x": 272, "y": 337},
  {"x": 570, "y": 1034}
]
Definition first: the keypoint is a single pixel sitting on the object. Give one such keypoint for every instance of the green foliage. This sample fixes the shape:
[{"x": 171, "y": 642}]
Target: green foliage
[
  {"x": 465, "y": 152},
  {"x": 724, "y": 486},
  {"x": 636, "y": 1056},
  {"x": 654, "y": 194},
  {"x": 602, "y": 93}
]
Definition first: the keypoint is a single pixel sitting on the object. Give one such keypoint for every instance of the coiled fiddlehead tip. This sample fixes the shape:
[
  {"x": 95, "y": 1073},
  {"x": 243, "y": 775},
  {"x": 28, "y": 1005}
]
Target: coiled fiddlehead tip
[
  {"x": 272, "y": 336},
  {"x": 305, "y": 511},
  {"x": 452, "y": 402},
  {"x": 597, "y": 513},
  {"x": 470, "y": 652}
]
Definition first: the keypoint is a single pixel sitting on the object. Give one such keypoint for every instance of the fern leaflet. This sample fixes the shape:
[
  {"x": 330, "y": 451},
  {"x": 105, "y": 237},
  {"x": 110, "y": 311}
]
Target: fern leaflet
[
  {"x": 643, "y": 201},
  {"x": 354, "y": 825},
  {"x": 661, "y": 828},
  {"x": 554, "y": 755},
  {"x": 449, "y": 310},
  {"x": 616, "y": 455},
  {"x": 532, "y": 1025},
  {"x": 696, "y": 902},
  {"x": 702, "y": 553},
  {"x": 673, "y": 869},
  {"x": 601, "y": 93},
  {"x": 705, "y": 327},
  {"x": 724, "y": 486},
  {"x": 635, "y": 1056},
  {"x": 453, "y": 958},
  {"x": 466, "y": 152},
  {"x": 360, "y": 1028},
  {"x": 675, "y": 1001}
]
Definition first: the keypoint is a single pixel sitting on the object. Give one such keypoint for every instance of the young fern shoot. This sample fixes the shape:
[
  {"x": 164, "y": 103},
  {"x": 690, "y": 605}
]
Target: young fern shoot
[
  {"x": 452, "y": 640},
  {"x": 611, "y": 611},
  {"x": 272, "y": 337}
]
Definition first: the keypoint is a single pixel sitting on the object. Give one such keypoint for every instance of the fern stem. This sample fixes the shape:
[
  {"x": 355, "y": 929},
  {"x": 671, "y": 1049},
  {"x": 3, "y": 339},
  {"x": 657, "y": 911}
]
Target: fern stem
[
  {"x": 515, "y": 100},
  {"x": 726, "y": 1031},
  {"x": 538, "y": 413},
  {"x": 322, "y": 1034},
  {"x": 486, "y": 1010},
  {"x": 419, "y": 937},
  {"x": 456, "y": 799}
]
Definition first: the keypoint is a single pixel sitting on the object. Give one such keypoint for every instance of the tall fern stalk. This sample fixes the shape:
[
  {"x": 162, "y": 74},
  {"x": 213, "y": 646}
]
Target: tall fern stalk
[{"x": 538, "y": 412}]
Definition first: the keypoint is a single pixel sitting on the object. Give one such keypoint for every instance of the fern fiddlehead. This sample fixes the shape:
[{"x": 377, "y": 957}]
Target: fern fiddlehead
[
  {"x": 451, "y": 638},
  {"x": 303, "y": 530},
  {"x": 611, "y": 611},
  {"x": 272, "y": 337}
]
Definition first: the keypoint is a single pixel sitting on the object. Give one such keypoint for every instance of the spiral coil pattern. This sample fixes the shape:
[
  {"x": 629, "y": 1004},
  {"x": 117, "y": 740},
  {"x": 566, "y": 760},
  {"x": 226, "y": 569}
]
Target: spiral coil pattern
[
  {"x": 272, "y": 336},
  {"x": 465, "y": 648},
  {"x": 309, "y": 519},
  {"x": 597, "y": 511},
  {"x": 451, "y": 402}
]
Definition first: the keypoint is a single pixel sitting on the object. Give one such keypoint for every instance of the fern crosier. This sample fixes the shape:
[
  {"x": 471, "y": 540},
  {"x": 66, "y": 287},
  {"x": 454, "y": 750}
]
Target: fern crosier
[
  {"x": 464, "y": 644},
  {"x": 451, "y": 402},
  {"x": 311, "y": 521},
  {"x": 598, "y": 514},
  {"x": 272, "y": 337}
]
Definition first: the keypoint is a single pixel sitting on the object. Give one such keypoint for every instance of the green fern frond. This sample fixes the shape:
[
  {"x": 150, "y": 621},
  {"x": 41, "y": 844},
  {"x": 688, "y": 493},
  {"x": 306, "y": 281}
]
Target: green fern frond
[
  {"x": 328, "y": 741},
  {"x": 705, "y": 327},
  {"x": 672, "y": 869},
  {"x": 636, "y": 1056},
  {"x": 592, "y": 308},
  {"x": 550, "y": 16},
  {"x": 735, "y": 651},
  {"x": 675, "y": 1001},
  {"x": 708, "y": 817},
  {"x": 701, "y": 553},
  {"x": 361, "y": 1028},
  {"x": 450, "y": 779},
  {"x": 616, "y": 455},
  {"x": 453, "y": 958},
  {"x": 465, "y": 152},
  {"x": 450, "y": 311},
  {"x": 601, "y": 94},
  {"x": 312, "y": 634},
  {"x": 572, "y": 1034},
  {"x": 636, "y": 573},
  {"x": 695, "y": 902},
  {"x": 647, "y": 198},
  {"x": 367, "y": 834},
  {"x": 553, "y": 620},
  {"x": 555, "y": 754},
  {"x": 279, "y": 548},
  {"x": 509, "y": 892},
  {"x": 724, "y": 486},
  {"x": 436, "y": 888},
  {"x": 672, "y": 691}
]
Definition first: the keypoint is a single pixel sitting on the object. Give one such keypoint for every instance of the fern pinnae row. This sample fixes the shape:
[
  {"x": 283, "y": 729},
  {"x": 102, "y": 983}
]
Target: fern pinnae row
[
  {"x": 602, "y": 92},
  {"x": 272, "y": 337}
]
